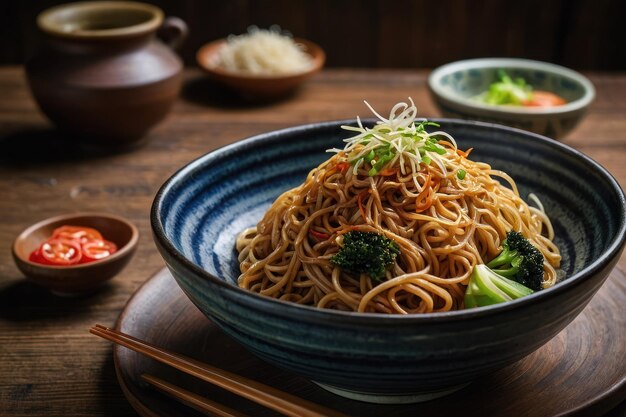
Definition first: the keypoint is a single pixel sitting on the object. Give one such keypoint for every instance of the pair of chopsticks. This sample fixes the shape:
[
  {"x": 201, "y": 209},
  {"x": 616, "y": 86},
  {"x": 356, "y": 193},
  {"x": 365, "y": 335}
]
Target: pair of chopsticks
[{"x": 257, "y": 392}]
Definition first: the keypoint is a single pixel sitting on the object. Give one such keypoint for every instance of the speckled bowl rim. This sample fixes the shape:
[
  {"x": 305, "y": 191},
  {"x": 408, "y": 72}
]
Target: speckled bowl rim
[
  {"x": 121, "y": 252},
  {"x": 313, "y": 314},
  {"x": 434, "y": 83},
  {"x": 45, "y": 20}
]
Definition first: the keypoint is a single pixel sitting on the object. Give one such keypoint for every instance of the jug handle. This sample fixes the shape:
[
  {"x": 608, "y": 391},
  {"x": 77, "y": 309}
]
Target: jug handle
[{"x": 173, "y": 32}]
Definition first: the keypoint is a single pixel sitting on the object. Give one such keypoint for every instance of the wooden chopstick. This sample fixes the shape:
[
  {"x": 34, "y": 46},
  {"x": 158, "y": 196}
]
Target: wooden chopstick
[
  {"x": 267, "y": 396},
  {"x": 191, "y": 399}
]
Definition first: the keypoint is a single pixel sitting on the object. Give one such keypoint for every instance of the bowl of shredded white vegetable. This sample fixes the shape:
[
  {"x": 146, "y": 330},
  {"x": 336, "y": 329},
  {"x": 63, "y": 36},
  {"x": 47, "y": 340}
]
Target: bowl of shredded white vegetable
[{"x": 261, "y": 63}]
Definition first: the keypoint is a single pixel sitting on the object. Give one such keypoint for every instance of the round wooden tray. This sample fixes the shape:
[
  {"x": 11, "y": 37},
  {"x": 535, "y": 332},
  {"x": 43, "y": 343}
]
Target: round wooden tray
[{"x": 582, "y": 370}]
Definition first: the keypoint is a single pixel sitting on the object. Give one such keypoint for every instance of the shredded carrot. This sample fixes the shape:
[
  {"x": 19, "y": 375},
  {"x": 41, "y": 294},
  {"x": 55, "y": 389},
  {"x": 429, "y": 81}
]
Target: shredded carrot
[
  {"x": 342, "y": 166},
  {"x": 425, "y": 195},
  {"x": 360, "y": 202},
  {"x": 429, "y": 202},
  {"x": 464, "y": 154},
  {"x": 387, "y": 172},
  {"x": 318, "y": 235}
]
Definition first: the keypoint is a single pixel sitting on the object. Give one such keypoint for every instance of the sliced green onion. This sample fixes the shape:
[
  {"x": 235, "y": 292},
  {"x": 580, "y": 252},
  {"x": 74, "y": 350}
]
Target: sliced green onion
[
  {"x": 380, "y": 164},
  {"x": 433, "y": 147},
  {"x": 460, "y": 174}
]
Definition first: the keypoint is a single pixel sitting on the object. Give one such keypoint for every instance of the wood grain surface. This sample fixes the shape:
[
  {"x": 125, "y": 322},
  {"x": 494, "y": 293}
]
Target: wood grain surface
[
  {"x": 49, "y": 364},
  {"x": 550, "y": 381}
]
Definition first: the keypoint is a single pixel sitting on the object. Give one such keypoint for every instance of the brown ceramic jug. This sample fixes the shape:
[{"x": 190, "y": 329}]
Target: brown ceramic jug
[{"x": 102, "y": 74}]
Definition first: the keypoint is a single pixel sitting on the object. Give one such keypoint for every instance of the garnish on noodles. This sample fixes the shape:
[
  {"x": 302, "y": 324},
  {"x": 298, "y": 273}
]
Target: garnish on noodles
[{"x": 400, "y": 221}]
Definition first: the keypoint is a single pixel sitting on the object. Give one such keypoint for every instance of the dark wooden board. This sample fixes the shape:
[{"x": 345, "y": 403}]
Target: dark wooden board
[{"x": 581, "y": 370}]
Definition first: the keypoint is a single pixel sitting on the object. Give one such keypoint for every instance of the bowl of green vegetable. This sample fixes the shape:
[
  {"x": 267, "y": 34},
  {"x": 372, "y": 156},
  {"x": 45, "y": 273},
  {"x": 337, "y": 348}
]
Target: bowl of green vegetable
[{"x": 536, "y": 96}]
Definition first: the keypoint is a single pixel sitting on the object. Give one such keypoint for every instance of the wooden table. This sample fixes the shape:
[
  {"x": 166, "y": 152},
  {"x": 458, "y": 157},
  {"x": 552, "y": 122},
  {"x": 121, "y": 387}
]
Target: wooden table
[{"x": 49, "y": 363}]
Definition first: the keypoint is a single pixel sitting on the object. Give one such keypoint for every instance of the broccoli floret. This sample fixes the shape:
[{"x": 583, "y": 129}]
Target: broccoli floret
[
  {"x": 517, "y": 271},
  {"x": 366, "y": 252},
  {"x": 486, "y": 288},
  {"x": 519, "y": 261}
]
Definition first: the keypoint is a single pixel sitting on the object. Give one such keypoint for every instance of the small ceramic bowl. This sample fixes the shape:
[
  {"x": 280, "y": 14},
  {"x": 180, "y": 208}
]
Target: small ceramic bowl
[
  {"x": 454, "y": 85},
  {"x": 259, "y": 86},
  {"x": 199, "y": 212},
  {"x": 81, "y": 278}
]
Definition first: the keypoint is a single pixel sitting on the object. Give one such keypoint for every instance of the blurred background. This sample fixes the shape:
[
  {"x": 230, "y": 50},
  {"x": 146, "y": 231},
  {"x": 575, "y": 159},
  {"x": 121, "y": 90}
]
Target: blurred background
[{"x": 580, "y": 34}]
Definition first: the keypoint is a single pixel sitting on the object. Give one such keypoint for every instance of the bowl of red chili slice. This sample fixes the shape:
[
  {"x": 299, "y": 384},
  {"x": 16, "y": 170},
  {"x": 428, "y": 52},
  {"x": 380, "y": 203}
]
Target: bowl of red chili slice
[{"x": 75, "y": 253}]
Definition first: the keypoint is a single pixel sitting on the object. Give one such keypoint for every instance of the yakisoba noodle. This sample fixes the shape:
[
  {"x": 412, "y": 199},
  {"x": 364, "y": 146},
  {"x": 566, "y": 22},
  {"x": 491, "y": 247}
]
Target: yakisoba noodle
[{"x": 443, "y": 222}]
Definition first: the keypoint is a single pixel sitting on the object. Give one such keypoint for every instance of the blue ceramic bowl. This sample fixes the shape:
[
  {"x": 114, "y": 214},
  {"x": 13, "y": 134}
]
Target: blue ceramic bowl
[
  {"x": 453, "y": 85},
  {"x": 375, "y": 357}
]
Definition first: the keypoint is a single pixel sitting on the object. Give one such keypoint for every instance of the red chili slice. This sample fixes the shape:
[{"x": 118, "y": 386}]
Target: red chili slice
[
  {"x": 81, "y": 233},
  {"x": 36, "y": 257},
  {"x": 97, "y": 249},
  {"x": 58, "y": 251}
]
